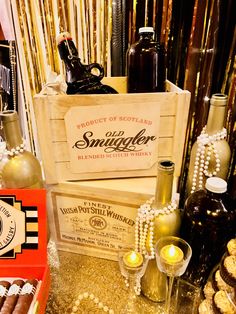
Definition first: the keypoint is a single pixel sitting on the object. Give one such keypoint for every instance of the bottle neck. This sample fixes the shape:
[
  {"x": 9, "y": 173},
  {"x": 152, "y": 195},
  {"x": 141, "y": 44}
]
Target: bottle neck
[
  {"x": 12, "y": 130},
  {"x": 69, "y": 54},
  {"x": 146, "y": 36},
  {"x": 75, "y": 70},
  {"x": 212, "y": 195},
  {"x": 216, "y": 118},
  {"x": 164, "y": 184}
]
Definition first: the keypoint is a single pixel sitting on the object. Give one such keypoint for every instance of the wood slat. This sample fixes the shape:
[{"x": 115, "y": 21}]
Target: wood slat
[
  {"x": 167, "y": 128},
  {"x": 60, "y": 104},
  {"x": 64, "y": 173}
]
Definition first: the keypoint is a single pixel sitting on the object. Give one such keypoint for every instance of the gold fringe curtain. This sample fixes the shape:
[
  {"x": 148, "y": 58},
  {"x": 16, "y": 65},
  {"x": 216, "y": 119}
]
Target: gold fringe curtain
[
  {"x": 199, "y": 37},
  {"x": 41, "y": 21}
]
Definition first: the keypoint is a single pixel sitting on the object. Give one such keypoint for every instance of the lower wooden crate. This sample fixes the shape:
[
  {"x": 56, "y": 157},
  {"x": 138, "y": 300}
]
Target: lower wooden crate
[{"x": 97, "y": 218}]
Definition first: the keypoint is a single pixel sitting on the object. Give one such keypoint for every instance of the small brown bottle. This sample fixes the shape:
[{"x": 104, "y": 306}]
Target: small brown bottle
[
  {"x": 79, "y": 77},
  {"x": 146, "y": 69}
]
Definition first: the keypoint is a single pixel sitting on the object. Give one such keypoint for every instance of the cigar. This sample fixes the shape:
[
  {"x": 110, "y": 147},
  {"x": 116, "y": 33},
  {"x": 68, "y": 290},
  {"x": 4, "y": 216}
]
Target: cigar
[
  {"x": 26, "y": 296},
  {"x": 12, "y": 296},
  {"x": 4, "y": 286}
]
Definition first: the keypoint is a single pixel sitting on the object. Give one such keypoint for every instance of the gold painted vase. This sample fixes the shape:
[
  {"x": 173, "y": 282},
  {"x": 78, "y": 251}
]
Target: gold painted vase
[
  {"x": 22, "y": 170},
  {"x": 215, "y": 123},
  {"x": 154, "y": 283}
]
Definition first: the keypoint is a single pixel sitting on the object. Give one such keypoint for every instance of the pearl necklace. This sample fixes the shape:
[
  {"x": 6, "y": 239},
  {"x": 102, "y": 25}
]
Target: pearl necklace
[
  {"x": 145, "y": 224},
  {"x": 137, "y": 286},
  {"x": 16, "y": 150},
  {"x": 206, "y": 146},
  {"x": 91, "y": 297},
  {"x": 12, "y": 56}
]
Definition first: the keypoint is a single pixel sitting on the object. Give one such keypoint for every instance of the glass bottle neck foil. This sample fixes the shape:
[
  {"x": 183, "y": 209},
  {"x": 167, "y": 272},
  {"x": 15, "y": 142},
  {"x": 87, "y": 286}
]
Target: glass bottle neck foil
[
  {"x": 11, "y": 128},
  {"x": 164, "y": 184},
  {"x": 216, "y": 116}
]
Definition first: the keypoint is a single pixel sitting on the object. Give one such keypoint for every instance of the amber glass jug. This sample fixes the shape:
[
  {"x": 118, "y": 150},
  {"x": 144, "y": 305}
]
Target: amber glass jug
[
  {"x": 207, "y": 224},
  {"x": 146, "y": 69}
]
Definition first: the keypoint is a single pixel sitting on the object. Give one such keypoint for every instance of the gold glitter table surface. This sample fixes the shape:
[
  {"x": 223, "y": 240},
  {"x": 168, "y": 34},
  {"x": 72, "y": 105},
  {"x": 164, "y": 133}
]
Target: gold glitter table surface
[{"x": 77, "y": 274}]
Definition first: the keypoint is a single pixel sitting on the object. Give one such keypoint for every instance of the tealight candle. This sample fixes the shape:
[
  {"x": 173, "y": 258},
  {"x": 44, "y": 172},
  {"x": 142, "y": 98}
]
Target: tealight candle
[
  {"x": 172, "y": 254},
  {"x": 133, "y": 259}
]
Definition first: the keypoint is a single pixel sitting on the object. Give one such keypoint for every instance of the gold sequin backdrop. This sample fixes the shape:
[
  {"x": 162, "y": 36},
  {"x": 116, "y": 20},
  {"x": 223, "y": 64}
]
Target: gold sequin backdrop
[
  {"x": 37, "y": 23},
  {"x": 41, "y": 21},
  {"x": 199, "y": 36},
  {"x": 92, "y": 23}
]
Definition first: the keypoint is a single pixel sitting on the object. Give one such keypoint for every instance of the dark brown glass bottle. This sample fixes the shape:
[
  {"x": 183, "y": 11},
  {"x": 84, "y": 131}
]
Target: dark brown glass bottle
[
  {"x": 207, "y": 225},
  {"x": 79, "y": 78},
  {"x": 146, "y": 69}
]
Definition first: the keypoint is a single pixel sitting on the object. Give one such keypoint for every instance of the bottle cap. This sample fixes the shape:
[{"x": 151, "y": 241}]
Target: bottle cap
[
  {"x": 8, "y": 116},
  {"x": 216, "y": 185},
  {"x": 146, "y": 30},
  {"x": 63, "y": 36},
  {"x": 219, "y": 99}
]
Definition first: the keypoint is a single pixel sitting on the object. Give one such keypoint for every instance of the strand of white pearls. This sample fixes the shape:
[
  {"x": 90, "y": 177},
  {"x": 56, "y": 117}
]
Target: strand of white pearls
[
  {"x": 16, "y": 150},
  {"x": 205, "y": 148},
  {"x": 145, "y": 224},
  {"x": 137, "y": 287},
  {"x": 90, "y": 296}
]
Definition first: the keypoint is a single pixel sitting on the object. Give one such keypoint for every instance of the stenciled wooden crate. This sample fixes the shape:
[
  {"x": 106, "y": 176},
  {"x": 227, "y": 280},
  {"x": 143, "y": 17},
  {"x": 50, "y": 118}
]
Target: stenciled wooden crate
[
  {"x": 97, "y": 217},
  {"x": 50, "y": 114}
]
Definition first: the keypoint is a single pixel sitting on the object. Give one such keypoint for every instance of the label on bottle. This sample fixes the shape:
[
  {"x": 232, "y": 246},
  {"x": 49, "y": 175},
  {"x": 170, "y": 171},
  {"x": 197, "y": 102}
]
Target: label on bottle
[
  {"x": 90, "y": 225},
  {"x": 112, "y": 138}
]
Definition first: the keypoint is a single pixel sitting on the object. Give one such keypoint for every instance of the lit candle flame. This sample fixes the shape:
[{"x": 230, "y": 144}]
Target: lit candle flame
[
  {"x": 172, "y": 254},
  {"x": 172, "y": 250},
  {"x": 133, "y": 259}
]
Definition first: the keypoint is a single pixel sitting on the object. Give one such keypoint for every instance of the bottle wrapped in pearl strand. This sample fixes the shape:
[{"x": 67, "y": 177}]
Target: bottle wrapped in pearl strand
[
  {"x": 90, "y": 296},
  {"x": 205, "y": 149},
  {"x": 145, "y": 224}
]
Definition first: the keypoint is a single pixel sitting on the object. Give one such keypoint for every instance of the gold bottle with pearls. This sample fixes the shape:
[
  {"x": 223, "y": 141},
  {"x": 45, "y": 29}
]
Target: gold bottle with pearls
[
  {"x": 153, "y": 284},
  {"x": 22, "y": 170},
  {"x": 212, "y": 159}
]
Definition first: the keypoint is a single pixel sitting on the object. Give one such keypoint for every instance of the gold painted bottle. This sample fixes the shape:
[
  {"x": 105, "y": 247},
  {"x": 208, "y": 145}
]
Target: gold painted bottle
[
  {"x": 22, "y": 170},
  {"x": 153, "y": 283},
  {"x": 215, "y": 124}
]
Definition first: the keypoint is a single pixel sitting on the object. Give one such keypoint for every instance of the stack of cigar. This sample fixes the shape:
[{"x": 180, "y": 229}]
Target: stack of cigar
[{"x": 16, "y": 297}]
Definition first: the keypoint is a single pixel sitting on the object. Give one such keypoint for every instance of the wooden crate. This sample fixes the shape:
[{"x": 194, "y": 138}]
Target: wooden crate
[
  {"x": 50, "y": 113},
  {"x": 97, "y": 217}
]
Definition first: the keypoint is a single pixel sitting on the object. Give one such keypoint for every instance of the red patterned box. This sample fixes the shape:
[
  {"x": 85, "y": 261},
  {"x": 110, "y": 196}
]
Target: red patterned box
[{"x": 23, "y": 240}]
